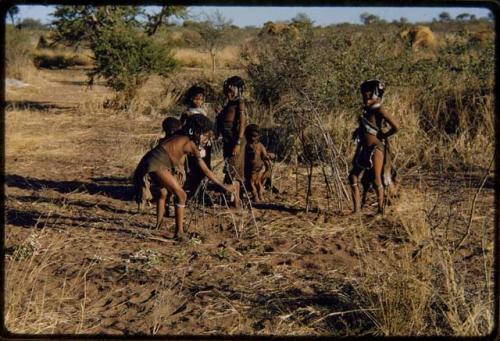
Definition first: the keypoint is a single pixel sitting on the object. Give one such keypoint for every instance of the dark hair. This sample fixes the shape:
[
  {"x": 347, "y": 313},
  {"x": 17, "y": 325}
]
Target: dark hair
[
  {"x": 236, "y": 81},
  {"x": 196, "y": 125},
  {"x": 373, "y": 85},
  {"x": 170, "y": 125},
  {"x": 192, "y": 92},
  {"x": 250, "y": 130}
]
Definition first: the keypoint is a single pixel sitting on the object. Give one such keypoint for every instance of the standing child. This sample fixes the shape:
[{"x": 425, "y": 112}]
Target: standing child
[
  {"x": 371, "y": 151},
  {"x": 194, "y": 99},
  {"x": 164, "y": 161},
  {"x": 231, "y": 126},
  {"x": 257, "y": 162}
]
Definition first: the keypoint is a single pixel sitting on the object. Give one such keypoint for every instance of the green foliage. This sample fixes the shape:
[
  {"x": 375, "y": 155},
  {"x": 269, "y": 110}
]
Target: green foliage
[
  {"x": 302, "y": 21},
  {"x": 125, "y": 54},
  {"x": 450, "y": 89},
  {"x": 125, "y": 57},
  {"x": 31, "y": 24},
  {"x": 368, "y": 19}
]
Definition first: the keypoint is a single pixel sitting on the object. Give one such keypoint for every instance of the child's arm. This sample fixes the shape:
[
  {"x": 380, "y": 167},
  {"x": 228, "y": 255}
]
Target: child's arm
[
  {"x": 241, "y": 108},
  {"x": 264, "y": 154},
  {"x": 193, "y": 150},
  {"x": 392, "y": 122}
]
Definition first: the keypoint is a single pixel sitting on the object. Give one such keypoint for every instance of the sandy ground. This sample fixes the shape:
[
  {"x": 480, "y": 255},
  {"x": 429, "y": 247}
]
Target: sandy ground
[{"x": 94, "y": 266}]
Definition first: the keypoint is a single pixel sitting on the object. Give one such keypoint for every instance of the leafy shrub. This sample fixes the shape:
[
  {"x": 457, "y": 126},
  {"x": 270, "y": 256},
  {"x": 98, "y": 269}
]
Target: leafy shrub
[
  {"x": 450, "y": 89},
  {"x": 125, "y": 58}
]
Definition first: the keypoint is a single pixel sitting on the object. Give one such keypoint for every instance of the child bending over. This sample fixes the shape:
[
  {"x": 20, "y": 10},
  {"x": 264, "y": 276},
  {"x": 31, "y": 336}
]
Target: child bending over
[{"x": 163, "y": 162}]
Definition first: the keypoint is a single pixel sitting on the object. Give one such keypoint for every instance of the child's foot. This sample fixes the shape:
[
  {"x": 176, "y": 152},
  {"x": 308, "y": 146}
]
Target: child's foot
[
  {"x": 179, "y": 238},
  {"x": 237, "y": 202}
]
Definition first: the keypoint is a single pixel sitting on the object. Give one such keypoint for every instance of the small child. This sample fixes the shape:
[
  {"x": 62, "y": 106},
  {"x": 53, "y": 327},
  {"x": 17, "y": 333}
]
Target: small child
[
  {"x": 194, "y": 100},
  {"x": 257, "y": 162},
  {"x": 371, "y": 150},
  {"x": 161, "y": 164},
  {"x": 170, "y": 125},
  {"x": 231, "y": 126}
]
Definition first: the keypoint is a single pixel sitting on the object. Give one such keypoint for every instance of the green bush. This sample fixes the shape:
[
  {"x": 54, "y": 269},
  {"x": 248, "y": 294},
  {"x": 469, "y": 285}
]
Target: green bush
[
  {"x": 450, "y": 89},
  {"x": 125, "y": 58}
]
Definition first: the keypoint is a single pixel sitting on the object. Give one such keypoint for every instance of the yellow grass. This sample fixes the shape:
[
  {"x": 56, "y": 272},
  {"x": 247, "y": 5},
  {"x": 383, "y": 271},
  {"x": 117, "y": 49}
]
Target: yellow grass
[{"x": 227, "y": 57}]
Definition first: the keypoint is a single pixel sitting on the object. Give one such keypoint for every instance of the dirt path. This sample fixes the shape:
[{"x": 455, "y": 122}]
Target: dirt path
[{"x": 80, "y": 260}]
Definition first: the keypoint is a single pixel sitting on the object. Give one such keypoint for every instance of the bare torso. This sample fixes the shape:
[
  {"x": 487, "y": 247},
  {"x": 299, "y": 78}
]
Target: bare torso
[
  {"x": 375, "y": 118},
  {"x": 176, "y": 147},
  {"x": 253, "y": 157}
]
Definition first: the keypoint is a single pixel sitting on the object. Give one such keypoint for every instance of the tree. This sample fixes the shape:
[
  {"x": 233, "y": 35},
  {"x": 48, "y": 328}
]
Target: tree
[
  {"x": 12, "y": 12},
  {"x": 302, "y": 21},
  {"x": 368, "y": 19},
  {"x": 30, "y": 24},
  {"x": 212, "y": 32},
  {"x": 154, "y": 21},
  {"x": 444, "y": 17},
  {"x": 463, "y": 17},
  {"x": 124, "y": 52}
]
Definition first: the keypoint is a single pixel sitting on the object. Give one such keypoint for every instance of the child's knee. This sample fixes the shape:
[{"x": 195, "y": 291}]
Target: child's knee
[
  {"x": 353, "y": 179},
  {"x": 181, "y": 196},
  {"x": 163, "y": 193}
]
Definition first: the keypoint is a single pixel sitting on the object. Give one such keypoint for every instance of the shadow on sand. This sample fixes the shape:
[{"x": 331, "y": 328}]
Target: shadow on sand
[{"x": 118, "y": 188}]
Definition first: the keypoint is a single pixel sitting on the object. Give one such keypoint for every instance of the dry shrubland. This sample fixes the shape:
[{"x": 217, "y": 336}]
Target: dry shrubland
[{"x": 80, "y": 260}]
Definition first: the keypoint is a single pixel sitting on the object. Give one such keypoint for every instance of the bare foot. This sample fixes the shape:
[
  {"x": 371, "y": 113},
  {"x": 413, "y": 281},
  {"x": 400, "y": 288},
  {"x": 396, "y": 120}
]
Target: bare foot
[
  {"x": 179, "y": 238},
  {"x": 237, "y": 201}
]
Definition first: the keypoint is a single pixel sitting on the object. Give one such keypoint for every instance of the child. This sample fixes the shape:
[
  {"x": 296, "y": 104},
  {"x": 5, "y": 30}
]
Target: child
[
  {"x": 257, "y": 162},
  {"x": 231, "y": 126},
  {"x": 170, "y": 125},
  {"x": 194, "y": 99},
  {"x": 163, "y": 162},
  {"x": 371, "y": 151}
]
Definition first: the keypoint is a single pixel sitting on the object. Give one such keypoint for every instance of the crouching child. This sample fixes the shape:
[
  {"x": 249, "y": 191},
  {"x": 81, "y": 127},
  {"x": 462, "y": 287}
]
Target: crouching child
[{"x": 161, "y": 165}]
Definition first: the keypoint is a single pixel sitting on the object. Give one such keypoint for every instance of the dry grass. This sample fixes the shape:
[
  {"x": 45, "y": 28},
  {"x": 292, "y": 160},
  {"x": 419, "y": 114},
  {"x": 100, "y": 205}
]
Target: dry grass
[
  {"x": 60, "y": 59},
  {"x": 227, "y": 57},
  {"x": 89, "y": 264}
]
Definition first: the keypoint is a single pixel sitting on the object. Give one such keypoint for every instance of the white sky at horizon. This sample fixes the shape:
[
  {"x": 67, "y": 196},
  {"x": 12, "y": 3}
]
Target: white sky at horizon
[{"x": 258, "y": 15}]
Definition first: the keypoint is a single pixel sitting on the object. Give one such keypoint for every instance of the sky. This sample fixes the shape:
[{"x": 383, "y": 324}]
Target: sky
[{"x": 255, "y": 16}]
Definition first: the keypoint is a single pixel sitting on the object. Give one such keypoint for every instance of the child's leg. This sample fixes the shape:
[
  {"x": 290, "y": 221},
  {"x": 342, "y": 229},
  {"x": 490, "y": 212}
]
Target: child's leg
[
  {"x": 354, "y": 180},
  {"x": 167, "y": 207},
  {"x": 166, "y": 180},
  {"x": 260, "y": 183},
  {"x": 378, "y": 163},
  {"x": 160, "y": 208},
  {"x": 237, "y": 201},
  {"x": 254, "y": 179}
]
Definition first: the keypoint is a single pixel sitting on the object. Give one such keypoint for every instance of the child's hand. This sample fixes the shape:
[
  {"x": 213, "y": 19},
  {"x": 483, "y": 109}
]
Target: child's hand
[
  {"x": 229, "y": 188},
  {"x": 236, "y": 150}
]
